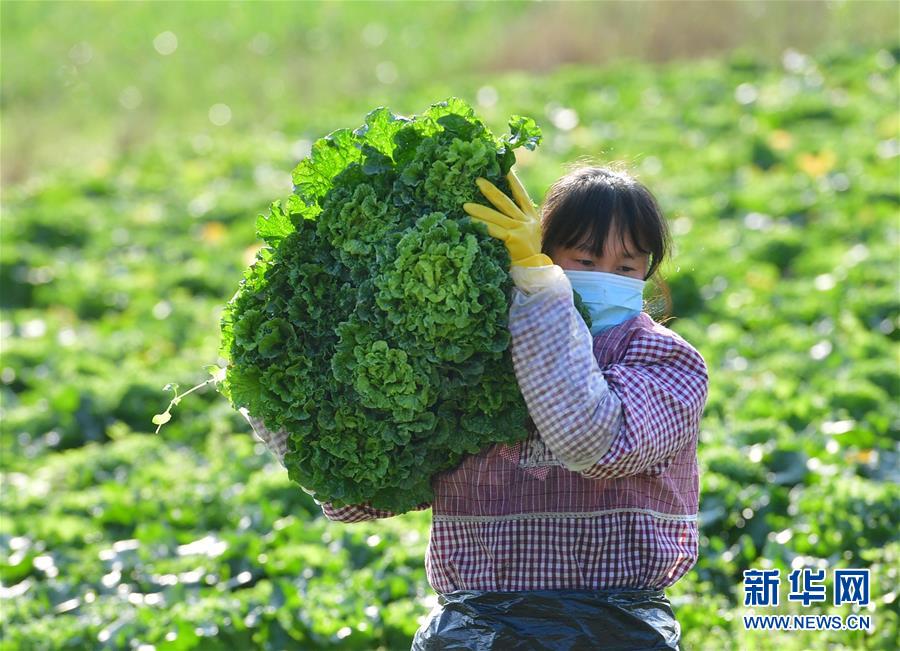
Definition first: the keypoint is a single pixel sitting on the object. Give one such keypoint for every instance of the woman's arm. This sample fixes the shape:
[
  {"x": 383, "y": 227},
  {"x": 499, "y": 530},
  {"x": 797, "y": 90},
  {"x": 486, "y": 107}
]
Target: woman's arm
[
  {"x": 276, "y": 442},
  {"x": 662, "y": 383},
  {"x": 360, "y": 512},
  {"x": 627, "y": 417}
]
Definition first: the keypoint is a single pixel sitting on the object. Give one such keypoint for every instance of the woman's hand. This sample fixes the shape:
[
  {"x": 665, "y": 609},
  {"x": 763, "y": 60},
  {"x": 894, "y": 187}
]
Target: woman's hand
[{"x": 519, "y": 226}]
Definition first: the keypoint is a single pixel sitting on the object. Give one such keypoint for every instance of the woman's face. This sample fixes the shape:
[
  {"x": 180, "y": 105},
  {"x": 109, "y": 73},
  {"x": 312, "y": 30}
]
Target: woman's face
[{"x": 616, "y": 259}]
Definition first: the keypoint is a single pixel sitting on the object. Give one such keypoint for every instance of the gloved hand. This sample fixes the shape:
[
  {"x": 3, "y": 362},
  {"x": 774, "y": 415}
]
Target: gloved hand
[{"x": 518, "y": 226}]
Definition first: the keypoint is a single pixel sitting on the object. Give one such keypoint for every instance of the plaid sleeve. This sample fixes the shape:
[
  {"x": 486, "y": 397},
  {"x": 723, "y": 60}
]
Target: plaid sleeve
[
  {"x": 360, "y": 512},
  {"x": 567, "y": 396},
  {"x": 276, "y": 442},
  {"x": 662, "y": 383}
]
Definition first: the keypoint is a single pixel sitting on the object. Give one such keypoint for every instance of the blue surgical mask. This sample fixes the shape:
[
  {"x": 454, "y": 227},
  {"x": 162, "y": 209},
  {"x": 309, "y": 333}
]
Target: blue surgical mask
[{"x": 610, "y": 298}]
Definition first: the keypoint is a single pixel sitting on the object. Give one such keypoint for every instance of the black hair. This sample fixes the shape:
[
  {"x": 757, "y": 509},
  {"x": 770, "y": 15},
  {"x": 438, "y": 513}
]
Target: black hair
[{"x": 588, "y": 203}]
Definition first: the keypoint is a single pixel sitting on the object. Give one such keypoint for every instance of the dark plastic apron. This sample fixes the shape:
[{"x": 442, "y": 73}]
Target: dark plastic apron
[{"x": 561, "y": 620}]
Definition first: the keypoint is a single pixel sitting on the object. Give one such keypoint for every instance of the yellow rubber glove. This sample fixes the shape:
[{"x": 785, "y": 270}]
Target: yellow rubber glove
[{"x": 519, "y": 226}]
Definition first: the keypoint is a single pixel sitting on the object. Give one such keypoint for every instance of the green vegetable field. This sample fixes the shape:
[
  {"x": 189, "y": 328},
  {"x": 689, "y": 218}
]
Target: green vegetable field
[{"x": 141, "y": 143}]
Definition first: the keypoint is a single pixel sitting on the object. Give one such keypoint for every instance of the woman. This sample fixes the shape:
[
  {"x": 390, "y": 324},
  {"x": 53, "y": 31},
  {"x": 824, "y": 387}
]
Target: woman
[{"x": 567, "y": 539}]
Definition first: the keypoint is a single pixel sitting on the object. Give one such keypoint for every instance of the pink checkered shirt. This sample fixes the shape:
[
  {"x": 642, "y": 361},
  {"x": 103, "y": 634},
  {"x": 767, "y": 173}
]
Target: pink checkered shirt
[{"x": 604, "y": 491}]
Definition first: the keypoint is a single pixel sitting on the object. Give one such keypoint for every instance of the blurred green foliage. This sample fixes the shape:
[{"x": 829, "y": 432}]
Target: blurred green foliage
[
  {"x": 780, "y": 181},
  {"x": 84, "y": 80}
]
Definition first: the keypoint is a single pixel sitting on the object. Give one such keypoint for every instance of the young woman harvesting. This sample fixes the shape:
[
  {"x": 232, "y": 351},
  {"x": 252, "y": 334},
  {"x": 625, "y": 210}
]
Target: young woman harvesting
[{"x": 570, "y": 537}]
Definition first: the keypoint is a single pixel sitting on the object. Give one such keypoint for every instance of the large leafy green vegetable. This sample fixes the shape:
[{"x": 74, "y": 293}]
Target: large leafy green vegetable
[{"x": 373, "y": 327}]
